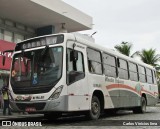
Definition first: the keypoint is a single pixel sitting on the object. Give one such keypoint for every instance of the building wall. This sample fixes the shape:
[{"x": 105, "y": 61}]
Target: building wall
[
  {"x": 10, "y": 34},
  {"x": 14, "y": 32}
]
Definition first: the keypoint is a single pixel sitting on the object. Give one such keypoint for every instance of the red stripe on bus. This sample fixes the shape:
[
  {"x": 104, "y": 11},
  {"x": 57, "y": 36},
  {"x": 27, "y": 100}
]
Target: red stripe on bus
[
  {"x": 148, "y": 92},
  {"x": 128, "y": 87},
  {"x": 121, "y": 86},
  {"x": 155, "y": 93}
]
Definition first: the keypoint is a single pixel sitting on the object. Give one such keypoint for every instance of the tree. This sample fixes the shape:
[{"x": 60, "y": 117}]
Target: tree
[
  {"x": 124, "y": 48},
  {"x": 149, "y": 56}
]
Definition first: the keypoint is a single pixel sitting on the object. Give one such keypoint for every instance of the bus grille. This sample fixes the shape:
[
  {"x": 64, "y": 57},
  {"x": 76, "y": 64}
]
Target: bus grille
[
  {"x": 37, "y": 106},
  {"x": 31, "y": 90}
]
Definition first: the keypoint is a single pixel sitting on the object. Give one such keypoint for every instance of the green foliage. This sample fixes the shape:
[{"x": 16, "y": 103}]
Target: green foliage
[
  {"x": 124, "y": 48},
  {"x": 149, "y": 56}
]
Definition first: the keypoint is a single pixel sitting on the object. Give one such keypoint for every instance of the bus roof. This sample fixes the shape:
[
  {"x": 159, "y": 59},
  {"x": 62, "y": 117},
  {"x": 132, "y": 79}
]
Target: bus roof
[
  {"x": 109, "y": 51},
  {"x": 89, "y": 41}
]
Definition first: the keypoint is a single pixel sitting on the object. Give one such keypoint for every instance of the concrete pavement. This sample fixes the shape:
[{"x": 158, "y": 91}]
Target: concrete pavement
[
  {"x": 21, "y": 115},
  {"x": 17, "y": 115}
]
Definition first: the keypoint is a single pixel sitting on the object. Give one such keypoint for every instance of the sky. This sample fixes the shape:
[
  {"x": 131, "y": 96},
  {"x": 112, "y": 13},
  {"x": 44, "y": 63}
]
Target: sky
[{"x": 133, "y": 21}]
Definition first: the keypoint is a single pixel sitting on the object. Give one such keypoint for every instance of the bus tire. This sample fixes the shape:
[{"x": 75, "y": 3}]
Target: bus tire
[
  {"x": 142, "y": 108},
  {"x": 95, "y": 111}
]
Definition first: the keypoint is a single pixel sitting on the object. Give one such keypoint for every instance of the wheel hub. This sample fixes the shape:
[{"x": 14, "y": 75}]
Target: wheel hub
[{"x": 95, "y": 107}]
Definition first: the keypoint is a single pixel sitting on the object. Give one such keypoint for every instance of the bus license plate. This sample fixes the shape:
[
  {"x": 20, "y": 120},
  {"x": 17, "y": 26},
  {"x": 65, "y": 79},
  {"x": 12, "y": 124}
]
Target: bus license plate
[{"x": 30, "y": 109}]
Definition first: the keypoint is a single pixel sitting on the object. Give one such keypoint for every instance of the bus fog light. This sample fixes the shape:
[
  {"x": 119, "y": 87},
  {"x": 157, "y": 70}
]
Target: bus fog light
[{"x": 56, "y": 93}]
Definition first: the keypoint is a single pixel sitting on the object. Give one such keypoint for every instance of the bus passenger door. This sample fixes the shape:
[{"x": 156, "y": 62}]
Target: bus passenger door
[{"x": 78, "y": 98}]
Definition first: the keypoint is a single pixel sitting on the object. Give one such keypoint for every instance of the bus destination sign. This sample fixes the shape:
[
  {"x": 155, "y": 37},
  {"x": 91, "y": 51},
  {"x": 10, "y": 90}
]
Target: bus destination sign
[{"x": 38, "y": 42}]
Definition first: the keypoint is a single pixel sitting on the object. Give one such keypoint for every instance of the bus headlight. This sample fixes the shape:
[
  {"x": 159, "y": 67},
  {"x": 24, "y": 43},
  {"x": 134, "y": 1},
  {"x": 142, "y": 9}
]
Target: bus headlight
[{"x": 56, "y": 93}]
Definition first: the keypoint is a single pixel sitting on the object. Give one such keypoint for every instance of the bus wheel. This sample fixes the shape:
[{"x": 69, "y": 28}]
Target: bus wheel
[
  {"x": 142, "y": 108},
  {"x": 94, "y": 113}
]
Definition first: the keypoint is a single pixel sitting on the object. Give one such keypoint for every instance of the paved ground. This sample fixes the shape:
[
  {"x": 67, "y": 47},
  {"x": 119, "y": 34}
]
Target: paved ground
[{"x": 117, "y": 121}]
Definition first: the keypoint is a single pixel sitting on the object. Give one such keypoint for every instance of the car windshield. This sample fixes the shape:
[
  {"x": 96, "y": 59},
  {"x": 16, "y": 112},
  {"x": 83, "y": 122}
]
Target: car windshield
[{"x": 37, "y": 68}]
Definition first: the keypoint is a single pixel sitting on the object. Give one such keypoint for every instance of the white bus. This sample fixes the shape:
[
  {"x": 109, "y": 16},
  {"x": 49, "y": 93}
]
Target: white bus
[{"x": 64, "y": 73}]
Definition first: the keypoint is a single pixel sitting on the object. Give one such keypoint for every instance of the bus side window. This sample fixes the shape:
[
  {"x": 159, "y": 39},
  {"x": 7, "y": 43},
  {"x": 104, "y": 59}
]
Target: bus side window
[
  {"x": 142, "y": 73},
  {"x": 109, "y": 65},
  {"x": 122, "y": 69},
  {"x": 90, "y": 66},
  {"x": 154, "y": 77},
  {"x": 75, "y": 68},
  {"x": 133, "y": 71},
  {"x": 94, "y": 61},
  {"x": 149, "y": 76}
]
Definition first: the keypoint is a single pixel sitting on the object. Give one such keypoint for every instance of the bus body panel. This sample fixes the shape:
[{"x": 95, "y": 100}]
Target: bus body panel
[
  {"x": 78, "y": 91},
  {"x": 77, "y": 96},
  {"x": 129, "y": 96}
]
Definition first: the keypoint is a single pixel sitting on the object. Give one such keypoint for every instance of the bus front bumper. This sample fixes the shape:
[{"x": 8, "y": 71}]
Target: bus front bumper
[{"x": 59, "y": 104}]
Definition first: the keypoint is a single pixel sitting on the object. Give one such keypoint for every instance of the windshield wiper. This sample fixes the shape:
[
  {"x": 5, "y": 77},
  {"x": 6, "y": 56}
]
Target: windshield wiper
[
  {"x": 44, "y": 51},
  {"x": 42, "y": 54}
]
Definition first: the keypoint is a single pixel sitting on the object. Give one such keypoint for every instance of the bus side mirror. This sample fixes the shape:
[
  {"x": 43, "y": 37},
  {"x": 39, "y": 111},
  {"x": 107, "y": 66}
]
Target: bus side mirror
[
  {"x": 3, "y": 60},
  {"x": 73, "y": 55}
]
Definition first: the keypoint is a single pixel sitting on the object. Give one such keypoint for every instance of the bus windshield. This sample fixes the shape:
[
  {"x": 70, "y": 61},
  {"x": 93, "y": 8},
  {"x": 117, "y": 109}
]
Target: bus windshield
[{"x": 36, "y": 71}]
